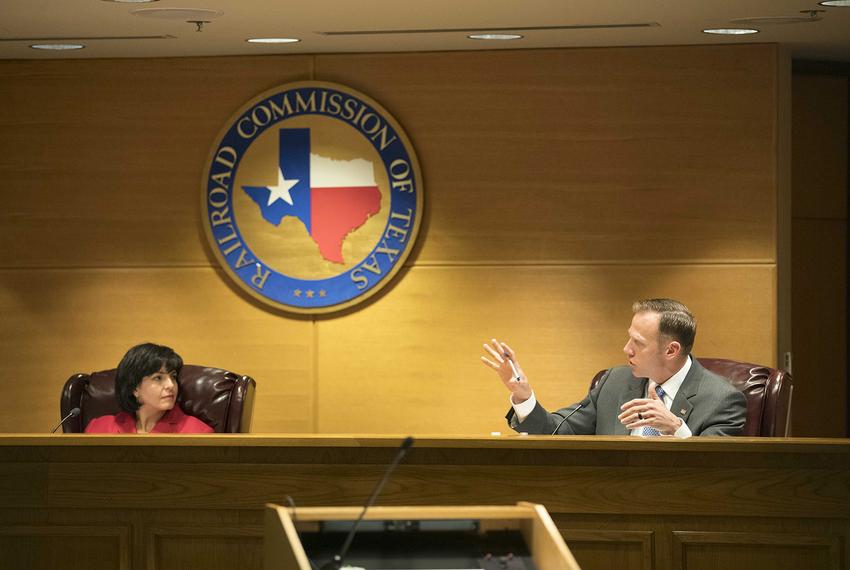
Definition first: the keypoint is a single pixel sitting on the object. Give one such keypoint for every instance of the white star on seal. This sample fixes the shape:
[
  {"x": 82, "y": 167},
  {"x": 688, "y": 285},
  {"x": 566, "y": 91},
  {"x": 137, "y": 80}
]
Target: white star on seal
[{"x": 281, "y": 191}]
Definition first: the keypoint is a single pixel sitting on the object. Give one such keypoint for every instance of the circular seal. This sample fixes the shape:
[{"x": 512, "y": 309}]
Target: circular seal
[{"x": 312, "y": 197}]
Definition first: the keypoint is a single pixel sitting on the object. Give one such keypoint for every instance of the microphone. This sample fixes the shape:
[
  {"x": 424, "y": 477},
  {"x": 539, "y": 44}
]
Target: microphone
[
  {"x": 581, "y": 404},
  {"x": 336, "y": 563},
  {"x": 72, "y": 414}
]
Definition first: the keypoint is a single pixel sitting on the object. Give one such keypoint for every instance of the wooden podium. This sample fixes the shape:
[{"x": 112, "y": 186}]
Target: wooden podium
[{"x": 285, "y": 529}]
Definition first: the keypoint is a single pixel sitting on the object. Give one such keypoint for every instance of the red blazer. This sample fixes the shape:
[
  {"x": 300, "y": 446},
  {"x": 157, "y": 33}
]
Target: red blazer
[{"x": 174, "y": 421}]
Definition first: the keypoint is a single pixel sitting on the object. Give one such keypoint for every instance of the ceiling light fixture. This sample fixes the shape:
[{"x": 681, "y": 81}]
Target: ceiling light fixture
[
  {"x": 730, "y": 31},
  {"x": 57, "y": 46},
  {"x": 836, "y": 3},
  {"x": 494, "y": 36},
  {"x": 272, "y": 40}
]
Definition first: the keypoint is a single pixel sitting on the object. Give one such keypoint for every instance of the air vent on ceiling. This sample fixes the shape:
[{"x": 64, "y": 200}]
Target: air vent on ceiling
[
  {"x": 807, "y": 16},
  {"x": 181, "y": 14},
  {"x": 87, "y": 38},
  {"x": 482, "y": 30}
]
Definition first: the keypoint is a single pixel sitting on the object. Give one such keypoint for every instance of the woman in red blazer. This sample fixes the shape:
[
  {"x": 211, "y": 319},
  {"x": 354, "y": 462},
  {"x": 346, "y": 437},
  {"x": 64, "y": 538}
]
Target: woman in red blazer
[{"x": 146, "y": 388}]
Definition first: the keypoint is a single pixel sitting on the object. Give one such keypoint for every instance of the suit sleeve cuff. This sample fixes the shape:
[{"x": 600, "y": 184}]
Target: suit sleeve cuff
[{"x": 524, "y": 409}]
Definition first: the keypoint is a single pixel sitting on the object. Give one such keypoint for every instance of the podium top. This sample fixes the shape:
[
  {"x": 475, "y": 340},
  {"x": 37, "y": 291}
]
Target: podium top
[
  {"x": 521, "y": 510},
  {"x": 525, "y": 529}
]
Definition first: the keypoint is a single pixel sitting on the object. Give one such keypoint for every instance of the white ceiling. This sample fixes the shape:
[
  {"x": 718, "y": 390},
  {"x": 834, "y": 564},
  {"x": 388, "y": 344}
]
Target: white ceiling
[{"x": 678, "y": 22}]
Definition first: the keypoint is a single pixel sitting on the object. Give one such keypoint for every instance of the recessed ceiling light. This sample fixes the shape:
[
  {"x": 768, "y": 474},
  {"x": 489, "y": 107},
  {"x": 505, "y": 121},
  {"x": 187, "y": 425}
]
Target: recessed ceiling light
[
  {"x": 836, "y": 3},
  {"x": 494, "y": 36},
  {"x": 730, "y": 31},
  {"x": 272, "y": 40},
  {"x": 57, "y": 46}
]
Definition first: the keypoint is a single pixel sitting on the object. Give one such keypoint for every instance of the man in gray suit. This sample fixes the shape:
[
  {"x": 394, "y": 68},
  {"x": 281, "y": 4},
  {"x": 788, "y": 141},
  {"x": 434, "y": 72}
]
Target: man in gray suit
[{"x": 662, "y": 391}]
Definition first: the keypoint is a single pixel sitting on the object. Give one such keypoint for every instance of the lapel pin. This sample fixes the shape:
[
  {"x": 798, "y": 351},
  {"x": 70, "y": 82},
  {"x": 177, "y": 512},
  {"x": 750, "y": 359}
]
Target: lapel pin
[{"x": 682, "y": 412}]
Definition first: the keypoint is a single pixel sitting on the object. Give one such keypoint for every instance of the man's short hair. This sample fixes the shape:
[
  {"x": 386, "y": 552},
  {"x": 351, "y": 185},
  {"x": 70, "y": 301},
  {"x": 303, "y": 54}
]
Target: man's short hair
[{"x": 677, "y": 323}]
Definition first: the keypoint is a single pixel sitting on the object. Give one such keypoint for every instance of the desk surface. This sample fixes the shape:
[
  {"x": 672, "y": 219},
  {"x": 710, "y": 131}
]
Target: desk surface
[{"x": 802, "y": 445}]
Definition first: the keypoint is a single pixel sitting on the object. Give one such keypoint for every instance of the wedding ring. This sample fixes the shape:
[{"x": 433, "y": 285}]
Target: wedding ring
[{"x": 640, "y": 416}]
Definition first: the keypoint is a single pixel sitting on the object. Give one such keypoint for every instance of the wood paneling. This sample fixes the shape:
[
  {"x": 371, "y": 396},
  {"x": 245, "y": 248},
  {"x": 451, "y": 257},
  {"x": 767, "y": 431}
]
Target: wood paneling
[
  {"x": 419, "y": 370},
  {"x": 71, "y": 547},
  {"x": 819, "y": 251},
  {"x": 23, "y": 484},
  {"x": 699, "y": 503},
  {"x": 722, "y": 550},
  {"x": 805, "y": 478},
  {"x": 820, "y": 325},
  {"x": 84, "y": 320},
  {"x": 185, "y": 486},
  {"x": 684, "y": 134},
  {"x": 610, "y": 548},
  {"x": 560, "y": 185},
  {"x": 197, "y": 546},
  {"x": 820, "y": 117},
  {"x": 652, "y": 153},
  {"x": 102, "y": 160}
]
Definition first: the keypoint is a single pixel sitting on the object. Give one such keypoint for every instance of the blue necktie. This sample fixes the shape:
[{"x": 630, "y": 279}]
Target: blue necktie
[{"x": 650, "y": 431}]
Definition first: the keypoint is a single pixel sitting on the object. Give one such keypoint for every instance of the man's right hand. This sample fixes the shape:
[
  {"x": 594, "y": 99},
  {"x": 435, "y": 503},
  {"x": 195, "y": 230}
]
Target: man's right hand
[{"x": 501, "y": 356}]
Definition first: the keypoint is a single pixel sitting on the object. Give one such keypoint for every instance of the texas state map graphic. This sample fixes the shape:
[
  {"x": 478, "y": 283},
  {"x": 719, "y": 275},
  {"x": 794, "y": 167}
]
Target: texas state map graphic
[{"x": 332, "y": 198}]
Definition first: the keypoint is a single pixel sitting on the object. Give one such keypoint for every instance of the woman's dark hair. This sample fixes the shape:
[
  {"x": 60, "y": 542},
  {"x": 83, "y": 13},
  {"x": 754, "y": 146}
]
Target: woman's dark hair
[{"x": 140, "y": 361}]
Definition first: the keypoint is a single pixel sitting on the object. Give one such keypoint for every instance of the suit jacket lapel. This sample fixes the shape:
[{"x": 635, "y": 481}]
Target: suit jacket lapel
[
  {"x": 682, "y": 405},
  {"x": 636, "y": 389}
]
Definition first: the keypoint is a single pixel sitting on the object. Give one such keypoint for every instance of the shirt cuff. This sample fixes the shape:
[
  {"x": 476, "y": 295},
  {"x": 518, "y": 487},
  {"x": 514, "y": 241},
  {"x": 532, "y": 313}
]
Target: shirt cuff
[
  {"x": 523, "y": 410},
  {"x": 683, "y": 432}
]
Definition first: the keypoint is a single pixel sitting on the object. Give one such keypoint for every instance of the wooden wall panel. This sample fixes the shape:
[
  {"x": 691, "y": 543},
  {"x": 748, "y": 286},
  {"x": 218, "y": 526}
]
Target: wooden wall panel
[
  {"x": 820, "y": 146},
  {"x": 610, "y": 548},
  {"x": 719, "y": 503},
  {"x": 198, "y": 546},
  {"x": 634, "y": 133},
  {"x": 419, "y": 370},
  {"x": 819, "y": 251},
  {"x": 559, "y": 155},
  {"x": 71, "y": 547},
  {"x": 21, "y": 485},
  {"x": 720, "y": 550},
  {"x": 820, "y": 339},
  {"x": 83, "y": 320},
  {"x": 588, "y": 177},
  {"x": 102, "y": 160},
  {"x": 717, "y": 543}
]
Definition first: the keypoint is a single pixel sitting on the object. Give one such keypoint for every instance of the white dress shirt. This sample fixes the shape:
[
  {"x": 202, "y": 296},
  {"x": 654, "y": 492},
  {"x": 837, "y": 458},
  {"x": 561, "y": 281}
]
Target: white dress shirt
[{"x": 671, "y": 388}]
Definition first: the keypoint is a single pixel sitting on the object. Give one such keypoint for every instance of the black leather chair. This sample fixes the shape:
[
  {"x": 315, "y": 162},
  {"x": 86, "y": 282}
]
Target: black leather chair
[
  {"x": 768, "y": 392},
  {"x": 223, "y": 400}
]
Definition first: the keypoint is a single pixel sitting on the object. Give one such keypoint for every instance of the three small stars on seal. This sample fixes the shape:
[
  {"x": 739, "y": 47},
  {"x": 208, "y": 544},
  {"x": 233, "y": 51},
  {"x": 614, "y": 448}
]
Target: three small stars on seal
[{"x": 309, "y": 293}]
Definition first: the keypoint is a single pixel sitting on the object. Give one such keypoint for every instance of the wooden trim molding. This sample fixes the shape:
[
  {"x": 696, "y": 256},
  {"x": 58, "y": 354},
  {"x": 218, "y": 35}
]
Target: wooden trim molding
[
  {"x": 121, "y": 533},
  {"x": 645, "y": 538},
  {"x": 153, "y": 533},
  {"x": 683, "y": 539}
]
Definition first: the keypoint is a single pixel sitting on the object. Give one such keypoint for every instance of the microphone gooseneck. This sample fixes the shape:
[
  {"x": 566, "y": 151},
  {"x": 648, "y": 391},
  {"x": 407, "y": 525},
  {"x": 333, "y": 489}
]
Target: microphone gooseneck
[
  {"x": 581, "y": 404},
  {"x": 72, "y": 414},
  {"x": 336, "y": 563}
]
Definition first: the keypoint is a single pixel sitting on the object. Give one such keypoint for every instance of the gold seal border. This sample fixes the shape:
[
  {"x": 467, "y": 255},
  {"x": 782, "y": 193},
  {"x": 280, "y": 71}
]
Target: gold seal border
[{"x": 414, "y": 163}]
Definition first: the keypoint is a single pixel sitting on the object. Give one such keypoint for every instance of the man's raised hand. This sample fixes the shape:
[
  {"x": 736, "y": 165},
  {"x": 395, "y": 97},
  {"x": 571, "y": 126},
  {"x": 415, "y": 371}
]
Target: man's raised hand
[{"x": 502, "y": 359}]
